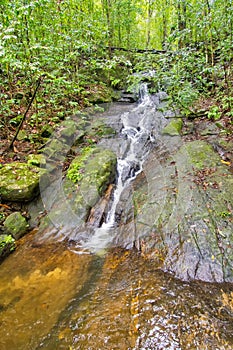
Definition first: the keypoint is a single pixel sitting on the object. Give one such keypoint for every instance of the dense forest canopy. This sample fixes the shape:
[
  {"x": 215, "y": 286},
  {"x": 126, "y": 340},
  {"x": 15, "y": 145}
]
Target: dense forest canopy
[
  {"x": 69, "y": 42},
  {"x": 31, "y": 26}
]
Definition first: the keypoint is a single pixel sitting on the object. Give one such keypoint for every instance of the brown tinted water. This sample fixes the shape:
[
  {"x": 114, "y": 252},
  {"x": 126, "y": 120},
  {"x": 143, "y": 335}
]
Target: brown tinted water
[{"x": 52, "y": 298}]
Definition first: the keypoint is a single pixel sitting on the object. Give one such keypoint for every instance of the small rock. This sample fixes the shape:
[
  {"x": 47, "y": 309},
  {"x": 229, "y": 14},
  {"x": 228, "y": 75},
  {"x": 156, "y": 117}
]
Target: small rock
[
  {"x": 22, "y": 135},
  {"x": 37, "y": 160},
  {"x": 173, "y": 128},
  {"x": 15, "y": 225}
]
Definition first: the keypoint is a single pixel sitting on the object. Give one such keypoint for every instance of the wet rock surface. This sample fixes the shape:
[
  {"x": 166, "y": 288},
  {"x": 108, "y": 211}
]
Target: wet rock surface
[
  {"x": 69, "y": 200},
  {"x": 177, "y": 211},
  {"x": 183, "y": 212}
]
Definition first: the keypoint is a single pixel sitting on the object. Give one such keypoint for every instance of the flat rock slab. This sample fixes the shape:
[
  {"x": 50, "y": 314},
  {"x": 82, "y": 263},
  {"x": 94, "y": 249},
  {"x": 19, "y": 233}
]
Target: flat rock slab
[{"x": 182, "y": 213}]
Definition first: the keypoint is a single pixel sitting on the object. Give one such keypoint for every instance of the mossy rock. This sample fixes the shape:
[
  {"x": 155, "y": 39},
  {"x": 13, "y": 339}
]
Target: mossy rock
[
  {"x": 87, "y": 178},
  {"x": 55, "y": 150},
  {"x": 92, "y": 172},
  {"x": 19, "y": 182},
  {"x": 173, "y": 128},
  {"x": 7, "y": 245},
  {"x": 36, "y": 160},
  {"x": 99, "y": 93},
  {"x": 15, "y": 225},
  {"x": 199, "y": 154},
  {"x": 72, "y": 129},
  {"x": 100, "y": 170},
  {"x": 100, "y": 129}
]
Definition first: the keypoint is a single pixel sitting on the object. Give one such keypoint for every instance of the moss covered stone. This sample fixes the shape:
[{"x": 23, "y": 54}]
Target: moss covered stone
[
  {"x": 56, "y": 149},
  {"x": 15, "y": 225},
  {"x": 99, "y": 172},
  {"x": 87, "y": 178},
  {"x": 92, "y": 172},
  {"x": 199, "y": 154},
  {"x": 100, "y": 93},
  {"x": 173, "y": 128},
  {"x": 100, "y": 129},
  {"x": 72, "y": 128},
  {"x": 19, "y": 181},
  {"x": 36, "y": 160}
]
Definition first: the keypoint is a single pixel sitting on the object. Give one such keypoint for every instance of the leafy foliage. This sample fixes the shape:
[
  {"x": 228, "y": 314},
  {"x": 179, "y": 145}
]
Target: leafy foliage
[
  {"x": 6, "y": 241},
  {"x": 69, "y": 44}
]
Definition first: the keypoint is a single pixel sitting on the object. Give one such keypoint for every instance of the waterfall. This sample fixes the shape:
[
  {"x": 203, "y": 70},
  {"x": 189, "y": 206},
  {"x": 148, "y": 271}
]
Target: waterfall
[{"x": 138, "y": 133}]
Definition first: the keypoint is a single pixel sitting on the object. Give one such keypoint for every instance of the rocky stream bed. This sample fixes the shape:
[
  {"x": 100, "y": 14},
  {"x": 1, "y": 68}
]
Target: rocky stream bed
[{"x": 172, "y": 220}]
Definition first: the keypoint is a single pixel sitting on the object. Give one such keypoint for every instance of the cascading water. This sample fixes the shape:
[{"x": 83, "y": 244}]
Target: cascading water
[
  {"x": 137, "y": 127},
  {"x": 138, "y": 133}
]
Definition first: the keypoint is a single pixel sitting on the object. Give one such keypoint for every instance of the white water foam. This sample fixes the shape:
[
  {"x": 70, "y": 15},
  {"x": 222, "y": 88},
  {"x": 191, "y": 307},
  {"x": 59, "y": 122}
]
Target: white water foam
[{"x": 139, "y": 137}]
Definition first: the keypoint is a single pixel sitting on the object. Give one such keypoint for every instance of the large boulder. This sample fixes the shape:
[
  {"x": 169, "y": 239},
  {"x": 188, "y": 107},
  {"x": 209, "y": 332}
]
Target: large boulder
[
  {"x": 182, "y": 214},
  {"x": 19, "y": 181},
  {"x": 68, "y": 201}
]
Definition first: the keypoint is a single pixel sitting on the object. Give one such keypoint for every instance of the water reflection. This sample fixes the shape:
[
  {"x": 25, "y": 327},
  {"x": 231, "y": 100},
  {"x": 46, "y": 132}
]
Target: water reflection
[{"x": 52, "y": 298}]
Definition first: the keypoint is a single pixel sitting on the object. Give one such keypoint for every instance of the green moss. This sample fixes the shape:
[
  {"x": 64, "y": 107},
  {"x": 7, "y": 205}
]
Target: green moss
[
  {"x": 139, "y": 199},
  {"x": 75, "y": 172},
  {"x": 19, "y": 181},
  {"x": 36, "y": 160},
  {"x": 199, "y": 154},
  {"x": 15, "y": 225},
  {"x": 70, "y": 128},
  {"x": 55, "y": 149},
  {"x": 90, "y": 173},
  {"x": 173, "y": 128},
  {"x": 100, "y": 129}
]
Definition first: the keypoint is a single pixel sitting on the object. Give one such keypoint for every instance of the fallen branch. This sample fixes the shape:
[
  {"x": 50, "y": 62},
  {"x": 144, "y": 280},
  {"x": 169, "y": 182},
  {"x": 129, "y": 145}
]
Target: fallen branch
[
  {"x": 25, "y": 114},
  {"x": 152, "y": 51},
  {"x": 198, "y": 114}
]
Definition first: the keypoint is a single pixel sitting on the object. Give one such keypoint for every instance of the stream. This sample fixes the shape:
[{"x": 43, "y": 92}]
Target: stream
[
  {"x": 99, "y": 295},
  {"x": 138, "y": 139}
]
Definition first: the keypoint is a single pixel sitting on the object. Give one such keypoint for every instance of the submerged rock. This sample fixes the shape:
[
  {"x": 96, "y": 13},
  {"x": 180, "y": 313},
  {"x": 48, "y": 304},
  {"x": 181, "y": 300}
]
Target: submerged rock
[
  {"x": 15, "y": 225},
  {"x": 19, "y": 181}
]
